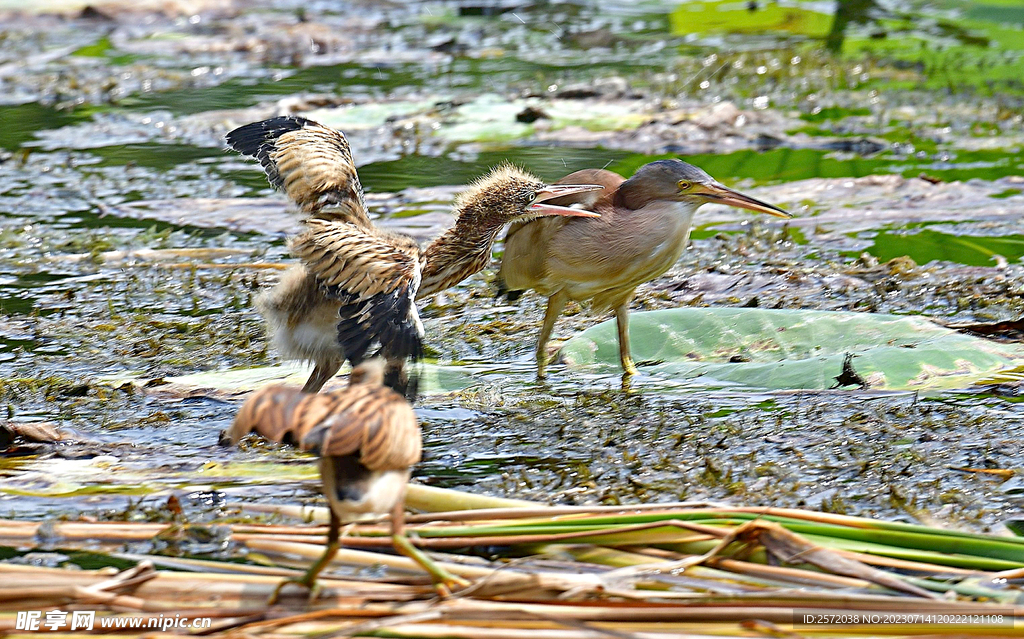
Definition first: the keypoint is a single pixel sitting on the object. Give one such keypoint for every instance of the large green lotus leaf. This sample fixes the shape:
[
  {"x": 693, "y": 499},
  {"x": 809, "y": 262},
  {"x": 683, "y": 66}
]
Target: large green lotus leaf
[
  {"x": 725, "y": 16},
  {"x": 796, "y": 349}
]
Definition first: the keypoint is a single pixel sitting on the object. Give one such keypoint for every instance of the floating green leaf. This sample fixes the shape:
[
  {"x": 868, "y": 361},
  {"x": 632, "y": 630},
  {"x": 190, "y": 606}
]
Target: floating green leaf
[
  {"x": 796, "y": 349},
  {"x": 432, "y": 379},
  {"x": 492, "y": 118},
  {"x": 926, "y": 245},
  {"x": 488, "y": 118},
  {"x": 96, "y": 50},
  {"x": 725, "y": 16}
]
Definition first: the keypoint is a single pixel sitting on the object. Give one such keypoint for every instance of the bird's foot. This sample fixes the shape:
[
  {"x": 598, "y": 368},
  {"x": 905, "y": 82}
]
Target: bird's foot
[
  {"x": 445, "y": 586},
  {"x": 309, "y": 579},
  {"x": 311, "y": 584},
  {"x": 444, "y": 582},
  {"x": 542, "y": 366}
]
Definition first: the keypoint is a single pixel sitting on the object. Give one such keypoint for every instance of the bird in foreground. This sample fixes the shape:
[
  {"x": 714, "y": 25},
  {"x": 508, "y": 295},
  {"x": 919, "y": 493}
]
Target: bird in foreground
[
  {"x": 358, "y": 284},
  {"x": 367, "y": 437},
  {"x": 643, "y": 229}
]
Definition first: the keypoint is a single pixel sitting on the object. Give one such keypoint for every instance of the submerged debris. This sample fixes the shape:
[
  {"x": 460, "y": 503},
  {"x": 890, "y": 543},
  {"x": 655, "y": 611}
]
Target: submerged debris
[{"x": 849, "y": 376}]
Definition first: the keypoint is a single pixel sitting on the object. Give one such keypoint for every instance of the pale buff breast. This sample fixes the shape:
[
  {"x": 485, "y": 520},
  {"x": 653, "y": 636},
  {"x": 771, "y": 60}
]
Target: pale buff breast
[{"x": 302, "y": 321}]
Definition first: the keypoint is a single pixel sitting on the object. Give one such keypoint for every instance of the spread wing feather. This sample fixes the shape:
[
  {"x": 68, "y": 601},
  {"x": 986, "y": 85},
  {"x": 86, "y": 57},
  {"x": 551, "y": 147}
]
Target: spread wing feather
[
  {"x": 310, "y": 162},
  {"x": 374, "y": 277},
  {"x": 375, "y": 423}
]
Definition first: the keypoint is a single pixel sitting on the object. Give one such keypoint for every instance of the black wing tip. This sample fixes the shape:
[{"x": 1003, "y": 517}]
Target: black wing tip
[
  {"x": 251, "y": 139},
  {"x": 384, "y": 318},
  {"x": 357, "y": 338}
]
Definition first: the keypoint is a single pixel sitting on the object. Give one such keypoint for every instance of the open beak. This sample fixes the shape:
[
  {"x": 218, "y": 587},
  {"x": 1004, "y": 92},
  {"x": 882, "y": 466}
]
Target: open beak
[
  {"x": 724, "y": 195},
  {"x": 553, "y": 191}
]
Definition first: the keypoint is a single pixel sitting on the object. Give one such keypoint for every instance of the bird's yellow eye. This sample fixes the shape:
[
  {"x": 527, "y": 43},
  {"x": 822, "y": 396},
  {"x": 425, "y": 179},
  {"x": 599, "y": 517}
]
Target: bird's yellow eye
[{"x": 683, "y": 185}]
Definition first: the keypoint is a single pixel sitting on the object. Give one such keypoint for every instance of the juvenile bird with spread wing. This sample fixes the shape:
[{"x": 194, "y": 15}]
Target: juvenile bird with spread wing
[{"x": 358, "y": 284}]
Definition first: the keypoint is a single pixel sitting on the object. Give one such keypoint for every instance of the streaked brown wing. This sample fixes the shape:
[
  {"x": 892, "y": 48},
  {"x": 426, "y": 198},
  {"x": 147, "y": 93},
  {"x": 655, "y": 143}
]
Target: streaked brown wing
[
  {"x": 282, "y": 414},
  {"x": 375, "y": 277},
  {"x": 375, "y": 422},
  {"x": 357, "y": 260},
  {"x": 311, "y": 162}
]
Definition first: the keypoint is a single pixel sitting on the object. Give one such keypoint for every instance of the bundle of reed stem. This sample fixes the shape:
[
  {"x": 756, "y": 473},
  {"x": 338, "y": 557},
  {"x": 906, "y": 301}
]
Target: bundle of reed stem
[{"x": 655, "y": 570}]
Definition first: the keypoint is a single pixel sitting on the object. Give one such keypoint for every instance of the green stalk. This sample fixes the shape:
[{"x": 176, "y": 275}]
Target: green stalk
[
  {"x": 973, "y": 562},
  {"x": 431, "y": 499},
  {"x": 785, "y": 516},
  {"x": 1010, "y": 549}
]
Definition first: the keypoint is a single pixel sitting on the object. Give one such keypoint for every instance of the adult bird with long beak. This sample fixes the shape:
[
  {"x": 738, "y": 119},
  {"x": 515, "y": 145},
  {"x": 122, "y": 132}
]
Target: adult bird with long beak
[
  {"x": 367, "y": 437},
  {"x": 358, "y": 284},
  {"x": 643, "y": 229}
]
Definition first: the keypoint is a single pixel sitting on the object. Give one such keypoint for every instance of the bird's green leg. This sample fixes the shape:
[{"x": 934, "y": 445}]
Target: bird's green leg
[
  {"x": 308, "y": 580},
  {"x": 622, "y": 322},
  {"x": 444, "y": 581},
  {"x": 556, "y": 304}
]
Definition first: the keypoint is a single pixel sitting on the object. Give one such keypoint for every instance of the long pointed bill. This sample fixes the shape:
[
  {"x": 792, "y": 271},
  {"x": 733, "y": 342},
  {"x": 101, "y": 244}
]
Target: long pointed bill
[
  {"x": 723, "y": 195},
  {"x": 552, "y": 209},
  {"x": 553, "y": 191}
]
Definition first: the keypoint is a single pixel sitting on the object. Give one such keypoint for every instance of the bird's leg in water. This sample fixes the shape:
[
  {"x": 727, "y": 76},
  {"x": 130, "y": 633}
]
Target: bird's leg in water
[
  {"x": 308, "y": 580},
  {"x": 397, "y": 378},
  {"x": 622, "y": 321},
  {"x": 444, "y": 581},
  {"x": 321, "y": 375},
  {"x": 556, "y": 304}
]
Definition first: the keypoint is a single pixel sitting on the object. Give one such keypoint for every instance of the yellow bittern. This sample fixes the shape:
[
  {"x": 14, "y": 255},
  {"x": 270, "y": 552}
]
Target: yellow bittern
[
  {"x": 643, "y": 229},
  {"x": 358, "y": 284},
  {"x": 367, "y": 437}
]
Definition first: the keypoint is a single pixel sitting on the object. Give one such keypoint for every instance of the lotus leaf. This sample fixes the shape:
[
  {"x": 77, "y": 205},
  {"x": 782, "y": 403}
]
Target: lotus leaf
[{"x": 796, "y": 349}]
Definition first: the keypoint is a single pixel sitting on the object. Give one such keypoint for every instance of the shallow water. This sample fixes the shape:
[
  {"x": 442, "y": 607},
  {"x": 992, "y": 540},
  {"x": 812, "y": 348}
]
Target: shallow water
[{"x": 78, "y": 154}]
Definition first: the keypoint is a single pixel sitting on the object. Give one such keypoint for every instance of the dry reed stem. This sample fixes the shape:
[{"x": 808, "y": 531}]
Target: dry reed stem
[{"x": 535, "y": 600}]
